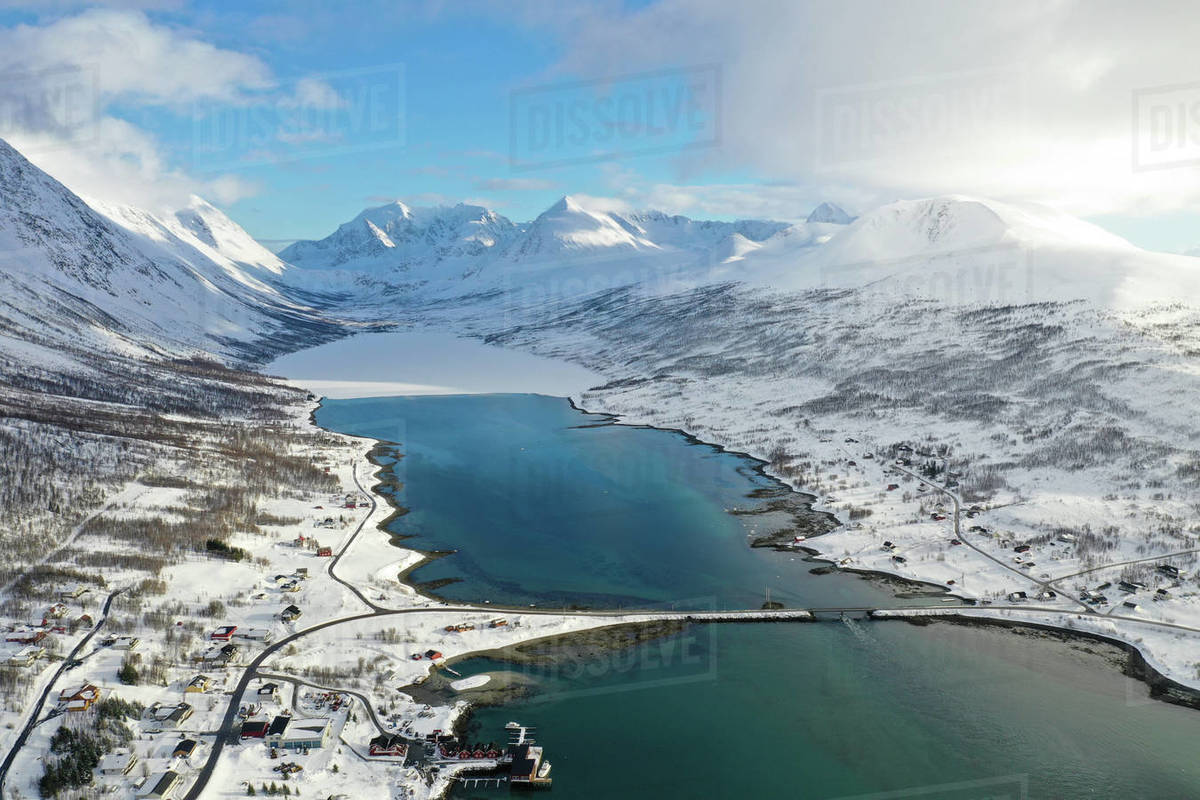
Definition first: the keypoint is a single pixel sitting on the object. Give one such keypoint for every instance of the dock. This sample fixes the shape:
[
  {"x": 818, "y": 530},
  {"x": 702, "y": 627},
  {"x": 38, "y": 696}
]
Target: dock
[
  {"x": 485, "y": 781},
  {"x": 528, "y": 767}
]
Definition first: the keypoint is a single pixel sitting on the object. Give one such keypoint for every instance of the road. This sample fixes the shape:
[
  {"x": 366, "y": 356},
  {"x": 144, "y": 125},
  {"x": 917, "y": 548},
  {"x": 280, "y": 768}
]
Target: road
[
  {"x": 333, "y": 562},
  {"x": 298, "y": 682},
  {"x": 1045, "y": 585},
  {"x": 1127, "y": 563},
  {"x": 32, "y": 721}
]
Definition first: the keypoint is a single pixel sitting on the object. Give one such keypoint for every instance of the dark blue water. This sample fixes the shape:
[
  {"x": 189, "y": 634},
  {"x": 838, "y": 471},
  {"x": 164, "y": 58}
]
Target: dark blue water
[{"x": 548, "y": 505}]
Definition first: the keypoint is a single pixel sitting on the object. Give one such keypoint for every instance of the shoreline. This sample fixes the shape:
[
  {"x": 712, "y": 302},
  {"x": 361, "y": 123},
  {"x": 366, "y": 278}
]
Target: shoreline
[
  {"x": 1152, "y": 675},
  {"x": 1138, "y": 667}
]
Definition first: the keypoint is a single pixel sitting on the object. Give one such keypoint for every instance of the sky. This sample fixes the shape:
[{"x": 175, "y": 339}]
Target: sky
[{"x": 294, "y": 116}]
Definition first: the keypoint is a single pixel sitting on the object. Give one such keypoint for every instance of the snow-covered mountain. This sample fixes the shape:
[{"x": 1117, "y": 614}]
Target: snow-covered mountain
[
  {"x": 415, "y": 245},
  {"x": 110, "y": 277},
  {"x": 830, "y": 213},
  {"x": 969, "y": 250},
  {"x": 395, "y": 237}
]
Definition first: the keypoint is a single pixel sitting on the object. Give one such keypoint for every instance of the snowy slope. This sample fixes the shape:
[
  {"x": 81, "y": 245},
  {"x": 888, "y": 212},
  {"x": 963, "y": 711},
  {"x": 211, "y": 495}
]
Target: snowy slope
[
  {"x": 123, "y": 279},
  {"x": 964, "y": 249}
]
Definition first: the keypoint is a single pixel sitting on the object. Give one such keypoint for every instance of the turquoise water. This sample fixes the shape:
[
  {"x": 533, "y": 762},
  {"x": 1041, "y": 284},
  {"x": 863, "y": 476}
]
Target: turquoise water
[
  {"x": 551, "y": 506},
  {"x": 547, "y": 505},
  {"x": 882, "y": 709}
]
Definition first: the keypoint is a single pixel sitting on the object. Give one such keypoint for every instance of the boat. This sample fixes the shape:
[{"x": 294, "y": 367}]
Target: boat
[{"x": 544, "y": 770}]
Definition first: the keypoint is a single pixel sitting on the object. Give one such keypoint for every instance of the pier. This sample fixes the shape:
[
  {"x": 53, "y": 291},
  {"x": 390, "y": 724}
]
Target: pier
[{"x": 483, "y": 781}]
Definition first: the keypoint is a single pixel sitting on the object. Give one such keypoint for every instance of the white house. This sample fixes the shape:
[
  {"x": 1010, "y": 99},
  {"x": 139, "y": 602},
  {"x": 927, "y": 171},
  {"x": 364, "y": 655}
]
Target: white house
[
  {"x": 117, "y": 764},
  {"x": 160, "y": 786}
]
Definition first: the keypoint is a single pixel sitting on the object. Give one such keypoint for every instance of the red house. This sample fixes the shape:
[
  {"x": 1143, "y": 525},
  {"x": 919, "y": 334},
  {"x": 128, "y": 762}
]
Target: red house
[
  {"x": 388, "y": 744},
  {"x": 254, "y": 729},
  {"x": 26, "y": 637},
  {"x": 325, "y": 552},
  {"x": 223, "y": 633}
]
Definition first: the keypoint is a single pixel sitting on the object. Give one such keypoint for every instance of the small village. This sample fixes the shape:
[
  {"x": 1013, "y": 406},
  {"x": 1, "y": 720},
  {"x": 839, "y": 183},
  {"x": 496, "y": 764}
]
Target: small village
[{"x": 282, "y": 623}]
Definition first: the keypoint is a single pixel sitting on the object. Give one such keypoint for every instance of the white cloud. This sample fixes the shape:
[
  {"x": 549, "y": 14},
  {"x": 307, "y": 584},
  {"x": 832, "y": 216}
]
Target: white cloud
[
  {"x": 1024, "y": 99},
  {"x": 126, "y": 56},
  {"x": 123, "y": 164},
  {"x": 314, "y": 93},
  {"x": 58, "y": 80}
]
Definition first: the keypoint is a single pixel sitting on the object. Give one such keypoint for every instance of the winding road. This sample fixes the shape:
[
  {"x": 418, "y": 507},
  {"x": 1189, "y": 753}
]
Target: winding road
[{"x": 32, "y": 721}]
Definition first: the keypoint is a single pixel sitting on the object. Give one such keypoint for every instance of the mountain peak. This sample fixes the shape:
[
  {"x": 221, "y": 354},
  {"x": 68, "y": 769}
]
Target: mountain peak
[{"x": 830, "y": 213}]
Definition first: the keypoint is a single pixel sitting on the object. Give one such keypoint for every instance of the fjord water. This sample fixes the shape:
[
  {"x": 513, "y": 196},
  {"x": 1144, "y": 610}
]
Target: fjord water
[
  {"x": 871, "y": 710},
  {"x": 545, "y": 504}
]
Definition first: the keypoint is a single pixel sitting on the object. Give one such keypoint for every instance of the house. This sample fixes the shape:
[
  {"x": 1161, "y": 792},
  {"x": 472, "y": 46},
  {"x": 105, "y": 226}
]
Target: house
[
  {"x": 1169, "y": 570},
  {"x": 117, "y": 764},
  {"x": 198, "y": 685},
  {"x": 1022, "y": 548},
  {"x": 26, "y": 636},
  {"x": 1066, "y": 538},
  {"x": 73, "y": 592},
  {"x": 254, "y": 728},
  {"x": 388, "y": 744},
  {"x": 160, "y": 786},
  {"x": 79, "y": 697},
  {"x": 1047, "y": 595},
  {"x": 124, "y": 642},
  {"x": 324, "y": 552},
  {"x": 268, "y": 691},
  {"x": 899, "y": 559},
  {"x": 188, "y": 750},
  {"x": 220, "y": 656},
  {"x": 57, "y": 611},
  {"x": 223, "y": 633},
  {"x": 893, "y": 487},
  {"x": 1132, "y": 606},
  {"x": 290, "y": 613},
  {"x": 26, "y": 656},
  {"x": 299, "y": 734},
  {"x": 1017, "y": 597},
  {"x": 166, "y": 717},
  {"x": 255, "y": 634}
]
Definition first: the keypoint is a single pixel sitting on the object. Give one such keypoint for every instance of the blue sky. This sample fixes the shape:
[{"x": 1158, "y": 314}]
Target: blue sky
[{"x": 294, "y": 116}]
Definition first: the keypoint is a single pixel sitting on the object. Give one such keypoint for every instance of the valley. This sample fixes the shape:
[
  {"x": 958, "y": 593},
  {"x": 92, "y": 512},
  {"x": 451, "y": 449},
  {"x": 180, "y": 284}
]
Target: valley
[{"x": 988, "y": 402}]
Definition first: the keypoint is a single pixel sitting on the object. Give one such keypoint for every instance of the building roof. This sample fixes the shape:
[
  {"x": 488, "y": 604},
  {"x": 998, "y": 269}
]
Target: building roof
[
  {"x": 160, "y": 784},
  {"x": 118, "y": 761},
  {"x": 185, "y": 747},
  {"x": 278, "y": 725}
]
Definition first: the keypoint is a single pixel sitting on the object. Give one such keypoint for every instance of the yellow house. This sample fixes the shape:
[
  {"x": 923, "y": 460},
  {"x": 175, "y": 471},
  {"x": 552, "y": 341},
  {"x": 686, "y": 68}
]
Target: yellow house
[{"x": 199, "y": 684}]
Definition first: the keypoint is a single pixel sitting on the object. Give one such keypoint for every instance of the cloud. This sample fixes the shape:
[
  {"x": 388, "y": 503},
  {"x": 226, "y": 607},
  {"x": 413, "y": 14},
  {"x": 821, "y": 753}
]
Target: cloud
[
  {"x": 515, "y": 184},
  {"x": 123, "y": 164},
  {"x": 127, "y": 57},
  {"x": 1021, "y": 100},
  {"x": 59, "y": 81},
  {"x": 314, "y": 93}
]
